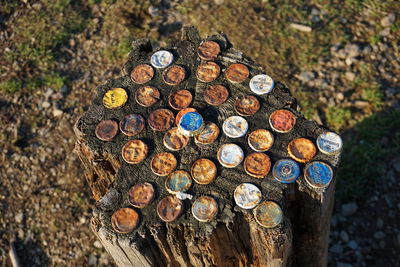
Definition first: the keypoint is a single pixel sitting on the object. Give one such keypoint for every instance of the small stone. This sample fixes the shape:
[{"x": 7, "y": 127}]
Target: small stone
[
  {"x": 334, "y": 221},
  {"x": 300, "y": 27},
  {"x": 343, "y": 264},
  {"x": 385, "y": 32},
  {"x": 57, "y": 112},
  {"x": 340, "y": 96},
  {"x": 306, "y": 76},
  {"x": 379, "y": 223},
  {"x": 48, "y": 93},
  {"x": 46, "y": 104},
  {"x": 352, "y": 50},
  {"x": 352, "y": 244},
  {"x": 92, "y": 261},
  {"x": 382, "y": 244},
  {"x": 388, "y": 20},
  {"x": 379, "y": 235},
  {"x": 97, "y": 244},
  {"x": 350, "y": 76},
  {"x": 344, "y": 236},
  {"x": 336, "y": 249},
  {"x": 396, "y": 165},
  {"x": 218, "y": 2},
  {"x": 19, "y": 217},
  {"x": 349, "y": 209}
]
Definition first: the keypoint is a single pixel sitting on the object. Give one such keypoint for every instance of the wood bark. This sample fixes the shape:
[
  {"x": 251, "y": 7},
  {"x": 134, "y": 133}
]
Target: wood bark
[{"x": 234, "y": 238}]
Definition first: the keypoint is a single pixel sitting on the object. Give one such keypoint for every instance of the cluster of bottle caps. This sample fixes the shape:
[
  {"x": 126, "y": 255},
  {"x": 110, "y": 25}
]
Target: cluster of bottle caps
[{"x": 189, "y": 123}]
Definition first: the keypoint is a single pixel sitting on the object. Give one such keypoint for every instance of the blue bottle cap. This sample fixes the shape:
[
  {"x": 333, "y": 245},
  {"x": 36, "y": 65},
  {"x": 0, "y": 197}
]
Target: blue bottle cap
[
  {"x": 191, "y": 124},
  {"x": 318, "y": 174},
  {"x": 286, "y": 171}
]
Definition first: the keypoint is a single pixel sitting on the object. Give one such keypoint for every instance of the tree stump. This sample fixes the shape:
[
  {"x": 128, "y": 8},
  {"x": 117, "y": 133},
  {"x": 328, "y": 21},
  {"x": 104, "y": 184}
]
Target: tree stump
[{"x": 233, "y": 237}]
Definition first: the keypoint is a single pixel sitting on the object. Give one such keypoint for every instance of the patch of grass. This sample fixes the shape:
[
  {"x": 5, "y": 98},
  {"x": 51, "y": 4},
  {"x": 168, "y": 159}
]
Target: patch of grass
[
  {"x": 337, "y": 117},
  {"x": 118, "y": 52},
  {"x": 10, "y": 86},
  {"x": 373, "y": 95}
]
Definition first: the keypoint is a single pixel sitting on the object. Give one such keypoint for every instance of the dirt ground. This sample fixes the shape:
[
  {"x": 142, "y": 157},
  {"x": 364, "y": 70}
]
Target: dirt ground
[{"x": 342, "y": 64}]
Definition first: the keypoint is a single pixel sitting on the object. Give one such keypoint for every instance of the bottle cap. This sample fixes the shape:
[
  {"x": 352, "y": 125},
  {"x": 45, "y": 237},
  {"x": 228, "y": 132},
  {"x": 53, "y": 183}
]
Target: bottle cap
[
  {"x": 261, "y": 84},
  {"x": 180, "y": 99},
  {"x": 174, "y": 75},
  {"x": 204, "y": 208},
  {"x": 178, "y": 181},
  {"x": 237, "y": 73},
  {"x": 302, "y": 150},
  {"x": 268, "y": 214},
  {"x": 115, "y": 98},
  {"x": 230, "y": 155},
  {"x": 134, "y": 151},
  {"x": 169, "y": 208},
  {"x": 124, "y": 220},
  {"x": 106, "y": 130},
  {"x": 142, "y": 74},
  {"x": 318, "y": 174},
  {"x": 329, "y": 143},
  {"x": 183, "y": 112},
  {"x": 147, "y": 96},
  {"x": 163, "y": 163},
  {"x": 260, "y": 140},
  {"x": 282, "y": 121},
  {"x": 257, "y": 164},
  {"x": 235, "y": 126},
  {"x": 286, "y": 171},
  {"x": 191, "y": 124},
  {"x": 247, "y": 105},
  {"x": 175, "y": 140},
  {"x": 141, "y": 195},
  {"x": 208, "y": 135},
  {"x": 247, "y": 196},
  {"x": 216, "y": 95},
  {"x": 161, "y": 119},
  {"x": 208, "y": 50},
  {"x": 132, "y": 124},
  {"x": 208, "y": 71},
  {"x": 161, "y": 59},
  {"x": 203, "y": 171}
]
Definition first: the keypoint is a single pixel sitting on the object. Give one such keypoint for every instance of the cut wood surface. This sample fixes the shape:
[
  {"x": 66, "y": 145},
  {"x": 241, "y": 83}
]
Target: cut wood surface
[{"x": 233, "y": 238}]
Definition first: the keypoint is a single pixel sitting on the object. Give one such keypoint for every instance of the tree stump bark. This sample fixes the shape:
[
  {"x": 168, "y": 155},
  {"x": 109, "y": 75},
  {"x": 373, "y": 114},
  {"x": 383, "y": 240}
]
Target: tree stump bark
[{"x": 233, "y": 238}]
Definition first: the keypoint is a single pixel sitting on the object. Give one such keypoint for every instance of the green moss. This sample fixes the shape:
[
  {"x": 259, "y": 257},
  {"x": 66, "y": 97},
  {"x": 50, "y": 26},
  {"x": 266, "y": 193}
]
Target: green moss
[
  {"x": 10, "y": 86},
  {"x": 118, "y": 52},
  {"x": 337, "y": 117}
]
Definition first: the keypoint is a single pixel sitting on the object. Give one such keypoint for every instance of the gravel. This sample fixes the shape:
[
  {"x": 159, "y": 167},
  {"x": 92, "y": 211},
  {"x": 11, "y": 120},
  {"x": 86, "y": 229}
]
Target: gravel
[{"x": 349, "y": 209}]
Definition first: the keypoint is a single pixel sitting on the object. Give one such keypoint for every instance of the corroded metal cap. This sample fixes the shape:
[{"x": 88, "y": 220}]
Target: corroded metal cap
[
  {"x": 268, "y": 214},
  {"x": 147, "y": 96},
  {"x": 216, "y": 95},
  {"x": 247, "y": 105},
  {"x": 260, "y": 140},
  {"x": 191, "y": 124},
  {"x": 257, "y": 164},
  {"x": 142, "y": 74},
  {"x": 134, "y": 151},
  {"x": 237, "y": 73},
  {"x": 302, "y": 150},
  {"x": 115, "y": 98},
  {"x": 208, "y": 71},
  {"x": 106, "y": 130},
  {"x": 261, "y": 84},
  {"x": 178, "y": 181},
  {"x": 329, "y": 143},
  {"x": 286, "y": 171},
  {"x": 180, "y": 99},
  {"x": 174, "y": 75},
  {"x": 282, "y": 121},
  {"x": 183, "y": 112},
  {"x": 132, "y": 124},
  {"x": 141, "y": 195},
  {"x": 175, "y": 140},
  {"x": 163, "y": 163},
  {"x": 208, "y": 50},
  {"x": 204, "y": 208},
  {"x": 208, "y": 135},
  {"x": 235, "y": 126},
  {"x": 247, "y": 196},
  {"x": 124, "y": 220},
  {"x": 161, "y": 59},
  {"x": 161, "y": 119},
  {"x": 230, "y": 155},
  {"x": 169, "y": 208},
  {"x": 318, "y": 174},
  {"x": 203, "y": 171}
]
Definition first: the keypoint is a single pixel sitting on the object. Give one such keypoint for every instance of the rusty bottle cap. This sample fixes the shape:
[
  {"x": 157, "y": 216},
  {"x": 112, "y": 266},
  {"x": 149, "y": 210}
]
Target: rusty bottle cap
[
  {"x": 261, "y": 84},
  {"x": 175, "y": 140},
  {"x": 208, "y": 135},
  {"x": 247, "y": 105},
  {"x": 115, "y": 98},
  {"x": 141, "y": 195},
  {"x": 282, "y": 121},
  {"x": 169, "y": 208},
  {"x": 235, "y": 126},
  {"x": 134, "y": 151},
  {"x": 161, "y": 59},
  {"x": 161, "y": 119},
  {"x": 208, "y": 71},
  {"x": 286, "y": 171},
  {"x": 106, "y": 130},
  {"x": 191, "y": 124},
  {"x": 178, "y": 181},
  {"x": 230, "y": 155},
  {"x": 301, "y": 149},
  {"x": 247, "y": 196},
  {"x": 203, "y": 171},
  {"x": 216, "y": 95},
  {"x": 208, "y": 50},
  {"x": 237, "y": 73},
  {"x": 318, "y": 174},
  {"x": 142, "y": 74},
  {"x": 147, "y": 96},
  {"x": 174, "y": 75},
  {"x": 268, "y": 214},
  {"x": 183, "y": 112},
  {"x": 180, "y": 99},
  {"x": 163, "y": 163},
  {"x": 260, "y": 140},
  {"x": 132, "y": 124},
  {"x": 329, "y": 143},
  {"x": 204, "y": 208},
  {"x": 257, "y": 164},
  {"x": 124, "y": 220}
]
